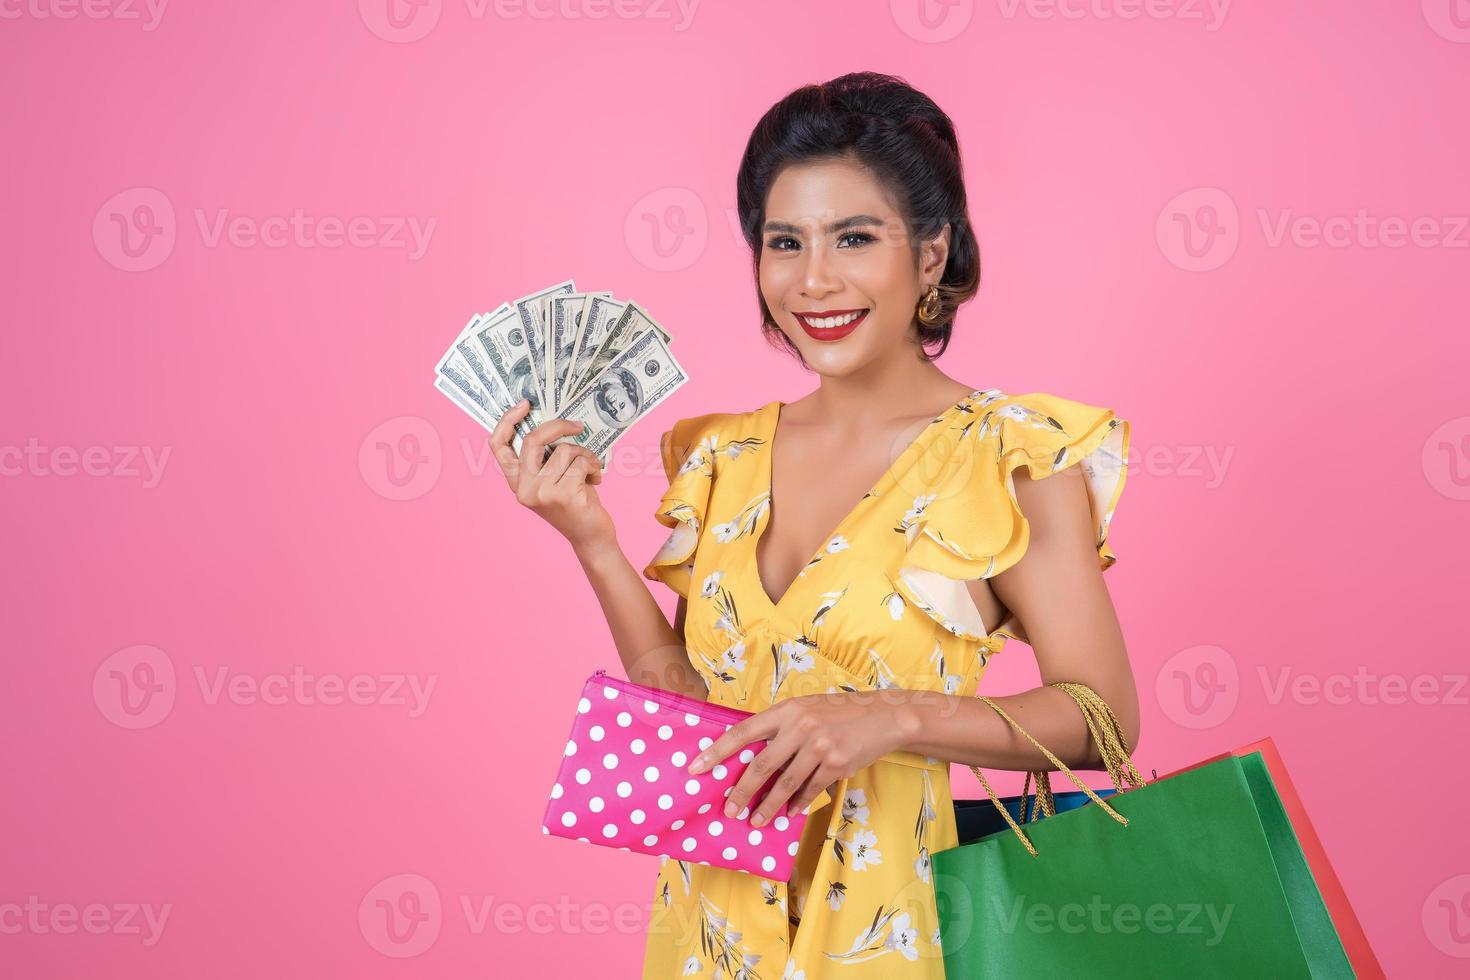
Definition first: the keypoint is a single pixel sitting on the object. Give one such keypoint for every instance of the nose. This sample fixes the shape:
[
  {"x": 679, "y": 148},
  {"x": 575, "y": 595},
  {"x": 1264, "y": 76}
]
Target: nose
[{"x": 819, "y": 277}]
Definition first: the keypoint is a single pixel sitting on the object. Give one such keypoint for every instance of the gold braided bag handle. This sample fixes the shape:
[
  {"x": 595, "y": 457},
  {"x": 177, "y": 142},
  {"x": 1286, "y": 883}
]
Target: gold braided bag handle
[
  {"x": 1107, "y": 734},
  {"x": 1112, "y": 746}
]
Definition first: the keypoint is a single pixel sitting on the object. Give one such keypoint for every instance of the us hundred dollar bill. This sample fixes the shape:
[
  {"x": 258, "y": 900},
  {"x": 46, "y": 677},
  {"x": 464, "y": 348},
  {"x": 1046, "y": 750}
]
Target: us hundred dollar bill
[
  {"x": 531, "y": 311},
  {"x": 567, "y": 312},
  {"x": 632, "y": 323},
  {"x": 505, "y": 350},
  {"x": 598, "y": 319},
  {"x": 629, "y": 387}
]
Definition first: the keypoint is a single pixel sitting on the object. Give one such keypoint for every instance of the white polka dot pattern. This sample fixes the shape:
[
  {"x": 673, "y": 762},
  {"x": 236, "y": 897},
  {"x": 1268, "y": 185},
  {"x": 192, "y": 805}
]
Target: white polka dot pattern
[{"x": 653, "y": 804}]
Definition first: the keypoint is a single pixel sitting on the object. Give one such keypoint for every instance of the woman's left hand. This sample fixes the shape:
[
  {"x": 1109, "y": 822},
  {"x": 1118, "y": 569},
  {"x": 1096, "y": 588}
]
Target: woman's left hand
[{"x": 816, "y": 738}]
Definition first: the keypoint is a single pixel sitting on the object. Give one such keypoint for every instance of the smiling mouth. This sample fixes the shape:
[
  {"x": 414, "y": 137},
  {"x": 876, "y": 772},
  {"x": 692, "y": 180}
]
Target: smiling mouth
[{"x": 830, "y": 319}]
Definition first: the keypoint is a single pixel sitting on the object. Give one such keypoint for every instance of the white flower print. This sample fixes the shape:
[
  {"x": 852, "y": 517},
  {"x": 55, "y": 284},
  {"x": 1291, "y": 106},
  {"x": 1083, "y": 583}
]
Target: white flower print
[
  {"x": 855, "y": 806},
  {"x": 727, "y": 618},
  {"x": 838, "y": 543},
  {"x": 745, "y": 521},
  {"x": 828, "y": 601},
  {"x": 792, "y": 973},
  {"x": 685, "y": 874},
  {"x": 903, "y": 937},
  {"x": 711, "y": 584},
  {"x": 836, "y": 892},
  {"x": 692, "y": 966},
  {"x": 701, "y": 457},
  {"x": 1030, "y": 416},
  {"x": 737, "y": 446},
  {"x": 908, "y": 524},
  {"x": 921, "y": 865},
  {"x": 926, "y": 818},
  {"x": 890, "y": 930},
  {"x": 1026, "y": 418},
  {"x": 731, "y": 660},
  {"x": 722, "y": 941},
  {"x": 790, "y": 655},
  {"x": 951, "y": 682},
  {"x": 771, "y": 895},
  {"x": 861, "y": 843},
  {"x": 734, "y": 656},
  {"x": 864, "y": 850},
  {"x": 883, "y": 677},
  {"x": 894, "y": 602}
]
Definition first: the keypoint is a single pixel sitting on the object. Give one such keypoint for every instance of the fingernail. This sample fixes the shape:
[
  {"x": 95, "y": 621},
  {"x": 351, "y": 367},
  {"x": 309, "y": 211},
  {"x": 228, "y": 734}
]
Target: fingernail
[
  {"x": 697, "y": 765},
  {"x": 730, "y": 809},
  {"x": 757, "y": 820}
]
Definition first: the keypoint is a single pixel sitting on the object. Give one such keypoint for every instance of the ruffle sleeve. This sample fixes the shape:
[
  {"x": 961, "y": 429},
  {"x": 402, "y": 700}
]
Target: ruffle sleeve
[
  {"x": 688, "y": 458},
  {"x": 970, "y": 524}
]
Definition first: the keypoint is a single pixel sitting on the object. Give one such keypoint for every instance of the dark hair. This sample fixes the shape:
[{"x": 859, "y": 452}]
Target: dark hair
[{"x": 899, "y": 134}]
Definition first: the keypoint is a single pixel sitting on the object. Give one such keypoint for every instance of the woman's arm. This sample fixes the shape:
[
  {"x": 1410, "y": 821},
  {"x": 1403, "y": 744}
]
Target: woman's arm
[
  {"x": 1057, "y": 591},
  {"x": 652, "y": 651},
  {"x": 562, "y": 491}
]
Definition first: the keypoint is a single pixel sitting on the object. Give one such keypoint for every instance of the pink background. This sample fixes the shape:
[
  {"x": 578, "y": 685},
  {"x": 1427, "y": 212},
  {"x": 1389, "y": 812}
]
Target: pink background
[{"x": 1297, "y": 500}]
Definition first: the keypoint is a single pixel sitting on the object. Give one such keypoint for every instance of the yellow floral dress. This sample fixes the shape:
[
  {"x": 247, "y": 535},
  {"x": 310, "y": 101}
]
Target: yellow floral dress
[{"x": 883, "y": 603}]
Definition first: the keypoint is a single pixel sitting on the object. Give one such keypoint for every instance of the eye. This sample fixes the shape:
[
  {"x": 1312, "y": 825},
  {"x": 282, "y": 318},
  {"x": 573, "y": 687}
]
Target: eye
[
  {"x": 778, "y": 243},
  {"x": 861, "y": 237}
]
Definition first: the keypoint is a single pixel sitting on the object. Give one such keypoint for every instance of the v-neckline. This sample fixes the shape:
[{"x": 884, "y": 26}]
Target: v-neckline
[{"x": 772, "y": 415}]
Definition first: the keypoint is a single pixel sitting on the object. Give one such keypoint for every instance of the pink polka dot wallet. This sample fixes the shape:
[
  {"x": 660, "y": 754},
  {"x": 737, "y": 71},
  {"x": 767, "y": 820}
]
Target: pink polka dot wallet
[{"x": 624, "y": 782}]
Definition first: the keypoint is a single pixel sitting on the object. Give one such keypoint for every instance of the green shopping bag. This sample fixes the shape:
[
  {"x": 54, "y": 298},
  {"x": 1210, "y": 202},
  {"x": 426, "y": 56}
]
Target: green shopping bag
[{"x": 1180, "y": 877}]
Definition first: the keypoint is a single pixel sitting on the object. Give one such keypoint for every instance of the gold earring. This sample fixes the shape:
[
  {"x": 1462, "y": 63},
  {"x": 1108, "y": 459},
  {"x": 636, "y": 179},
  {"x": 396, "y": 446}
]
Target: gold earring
[{"x": 929, "y": 306}]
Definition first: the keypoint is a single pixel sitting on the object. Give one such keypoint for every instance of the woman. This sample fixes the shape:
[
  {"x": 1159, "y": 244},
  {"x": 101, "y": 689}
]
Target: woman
[{"x": 855, "y": 624}]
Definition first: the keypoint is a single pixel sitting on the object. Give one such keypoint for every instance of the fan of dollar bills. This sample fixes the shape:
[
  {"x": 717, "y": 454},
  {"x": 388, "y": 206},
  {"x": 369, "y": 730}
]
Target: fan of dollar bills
[{"x": 586, "y": 357}]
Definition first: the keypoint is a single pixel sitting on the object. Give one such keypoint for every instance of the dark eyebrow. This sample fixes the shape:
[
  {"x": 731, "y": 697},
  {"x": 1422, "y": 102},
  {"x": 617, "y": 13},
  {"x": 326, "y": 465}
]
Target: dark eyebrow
[{"x": 855, "y": 221}]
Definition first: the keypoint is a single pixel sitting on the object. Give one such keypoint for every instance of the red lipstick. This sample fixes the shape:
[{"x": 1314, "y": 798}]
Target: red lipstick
[{"x": 834, "y": 332}]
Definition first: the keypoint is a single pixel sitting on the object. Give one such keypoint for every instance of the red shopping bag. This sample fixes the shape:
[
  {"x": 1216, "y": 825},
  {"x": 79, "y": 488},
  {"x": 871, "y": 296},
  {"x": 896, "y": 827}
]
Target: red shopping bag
[{"x": 1344, "y": 919}]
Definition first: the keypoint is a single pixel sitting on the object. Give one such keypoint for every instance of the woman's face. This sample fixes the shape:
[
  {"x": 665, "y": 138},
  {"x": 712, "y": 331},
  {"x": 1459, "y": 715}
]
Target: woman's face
[{"x": 837, "y": 268}]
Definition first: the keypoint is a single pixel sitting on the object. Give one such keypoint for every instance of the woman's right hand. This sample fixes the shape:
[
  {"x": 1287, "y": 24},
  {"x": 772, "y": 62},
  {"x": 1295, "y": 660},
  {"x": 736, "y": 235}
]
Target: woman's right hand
[{"x": 560, "y": 490}]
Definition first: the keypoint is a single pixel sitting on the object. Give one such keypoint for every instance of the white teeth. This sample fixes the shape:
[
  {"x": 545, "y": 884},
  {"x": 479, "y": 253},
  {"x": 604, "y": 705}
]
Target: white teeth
[{"x": 828, "y": 322}]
